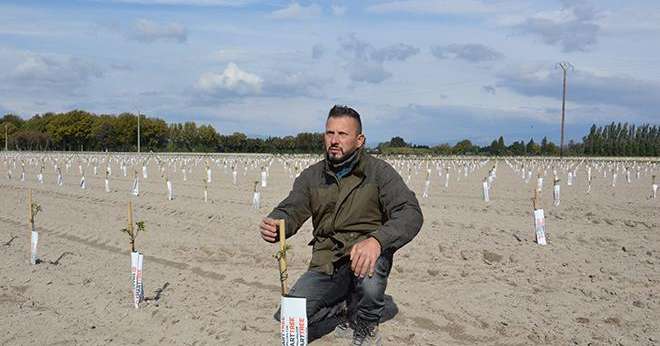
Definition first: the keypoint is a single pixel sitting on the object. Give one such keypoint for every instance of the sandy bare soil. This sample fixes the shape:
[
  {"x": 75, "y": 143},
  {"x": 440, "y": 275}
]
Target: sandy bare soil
[{"x": 474, "y": 275}]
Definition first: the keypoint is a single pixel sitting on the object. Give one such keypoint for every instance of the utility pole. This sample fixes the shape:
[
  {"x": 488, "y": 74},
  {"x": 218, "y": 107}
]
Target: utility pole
[
  {"x": 6, "y": 137},
  {"x": 565, "y": 66}
]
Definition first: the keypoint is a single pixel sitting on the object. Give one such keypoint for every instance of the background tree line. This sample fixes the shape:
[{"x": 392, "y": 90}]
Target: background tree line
[
  {"x": 81, "y": 130},
  {"x": 609, "y": 140}
]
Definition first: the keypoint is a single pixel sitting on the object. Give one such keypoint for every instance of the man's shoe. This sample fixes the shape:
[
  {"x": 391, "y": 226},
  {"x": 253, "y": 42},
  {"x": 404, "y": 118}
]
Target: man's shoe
[
  {"x": 344, "y": 329},
  {"x": 366, "y": 334}
]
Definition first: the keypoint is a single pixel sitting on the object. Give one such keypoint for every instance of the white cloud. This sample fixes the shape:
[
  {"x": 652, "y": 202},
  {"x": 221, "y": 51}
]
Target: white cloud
[
  {"x": 122, "y": 67},
  {"x": 317, "y": 51},
  {"x": 489, "y": 89},
  {"x": 338, "y": 10},
  {"x": 229, "y": 3},
  {"x": 255, "y": 115},
  {"x": 79, "y": 64},
  {"x": 369, "y": 72},
  {"x": 418, "y": 123},
  {"x": 232, "y": 81},
  {"x": 451, "y": 7},
  {"x": 291, "y": 84},
  {"x": 54, "y": 74},
  {"x": 364, "y": 63},
  {"x": 149, "y": 31},
  {"x": 230, "y": 54},
  {"x": 396, "y": 52},
  {"x": 469, "y": 52},
  {"x": 297, "y": 11},
  {"x": 212, "y": 87},
  {"x": 574, "y": 27},
  {"x": 4, "y": 110},
  {"x": 584, "y": 88}
]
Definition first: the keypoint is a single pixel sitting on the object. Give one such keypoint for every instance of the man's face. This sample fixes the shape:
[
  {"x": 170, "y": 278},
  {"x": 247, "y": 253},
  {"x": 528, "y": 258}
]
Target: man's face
[{"x": 341, "y": 137}]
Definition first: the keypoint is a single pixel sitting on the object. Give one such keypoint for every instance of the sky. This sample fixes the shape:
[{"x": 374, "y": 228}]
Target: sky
[{"x": 430, "y": 71}]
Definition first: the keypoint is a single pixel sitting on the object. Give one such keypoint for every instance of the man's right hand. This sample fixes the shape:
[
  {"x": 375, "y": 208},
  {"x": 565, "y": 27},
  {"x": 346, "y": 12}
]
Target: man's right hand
[{"x": 268, "y": 229}]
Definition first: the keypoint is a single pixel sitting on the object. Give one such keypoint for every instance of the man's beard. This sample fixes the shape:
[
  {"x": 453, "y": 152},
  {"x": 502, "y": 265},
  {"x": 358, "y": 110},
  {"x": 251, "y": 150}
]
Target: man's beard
[{"x": 340, "y": 159}]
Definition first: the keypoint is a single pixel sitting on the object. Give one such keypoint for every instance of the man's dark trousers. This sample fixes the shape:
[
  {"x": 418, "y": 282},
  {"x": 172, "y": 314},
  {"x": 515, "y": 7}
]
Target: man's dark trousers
[{"x": 326, "y": 294}]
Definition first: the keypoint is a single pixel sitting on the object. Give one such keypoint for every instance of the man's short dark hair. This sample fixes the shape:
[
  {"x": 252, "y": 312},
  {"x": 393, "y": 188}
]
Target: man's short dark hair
[{"x": 346, "y": 111}]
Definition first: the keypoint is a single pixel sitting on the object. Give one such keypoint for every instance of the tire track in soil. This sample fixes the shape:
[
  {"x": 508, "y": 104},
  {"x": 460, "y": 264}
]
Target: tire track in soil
[{"x": 159, "y": 260}]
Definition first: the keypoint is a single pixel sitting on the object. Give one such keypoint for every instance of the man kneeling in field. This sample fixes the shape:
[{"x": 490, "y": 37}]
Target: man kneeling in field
[{"x": 362, "y": 212}]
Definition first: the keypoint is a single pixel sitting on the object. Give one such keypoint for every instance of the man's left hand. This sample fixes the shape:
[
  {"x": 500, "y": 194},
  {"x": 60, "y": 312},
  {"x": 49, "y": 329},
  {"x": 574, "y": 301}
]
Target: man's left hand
[{"x": 364, "y": 256}]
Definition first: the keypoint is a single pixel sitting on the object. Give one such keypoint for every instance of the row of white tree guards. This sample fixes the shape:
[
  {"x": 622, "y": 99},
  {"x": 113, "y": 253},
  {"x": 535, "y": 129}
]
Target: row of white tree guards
[
  {"x": 171, "y": 167},
  {"x": 180, "y": 166}
]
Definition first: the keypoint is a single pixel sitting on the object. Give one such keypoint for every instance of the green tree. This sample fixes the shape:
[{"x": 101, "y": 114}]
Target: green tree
[
  {"x": 104, "y": 132},
  {"x": 236, "y": 142},
  {"x": 309, "y": 143},
  {"x": 398, "y": 142},
  {"x": 71, "y": 130},
  {"x": 209, "y": 139},
  {"x": 500, "y": 146},
  {"x": 14, "y": 123},
  {"x": 26, "y": 139},
  {"x": 517, "y": 148},
  {"x": 154, "y": 134},
  {"x": 126, "y": 130},
  {"x": 463, "y": 147},
  {"x": 442, "y": 149},
  {"x": 533, "y": 148}
]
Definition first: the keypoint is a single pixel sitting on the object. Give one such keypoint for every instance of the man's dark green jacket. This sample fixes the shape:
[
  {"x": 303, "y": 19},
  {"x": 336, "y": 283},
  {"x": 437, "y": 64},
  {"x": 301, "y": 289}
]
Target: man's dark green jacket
[{"x": 371, "y": 201}]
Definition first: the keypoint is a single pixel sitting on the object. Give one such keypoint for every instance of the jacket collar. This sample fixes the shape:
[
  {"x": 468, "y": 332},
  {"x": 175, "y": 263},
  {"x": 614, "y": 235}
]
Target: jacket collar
[{"x": 358, "y": 165}]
